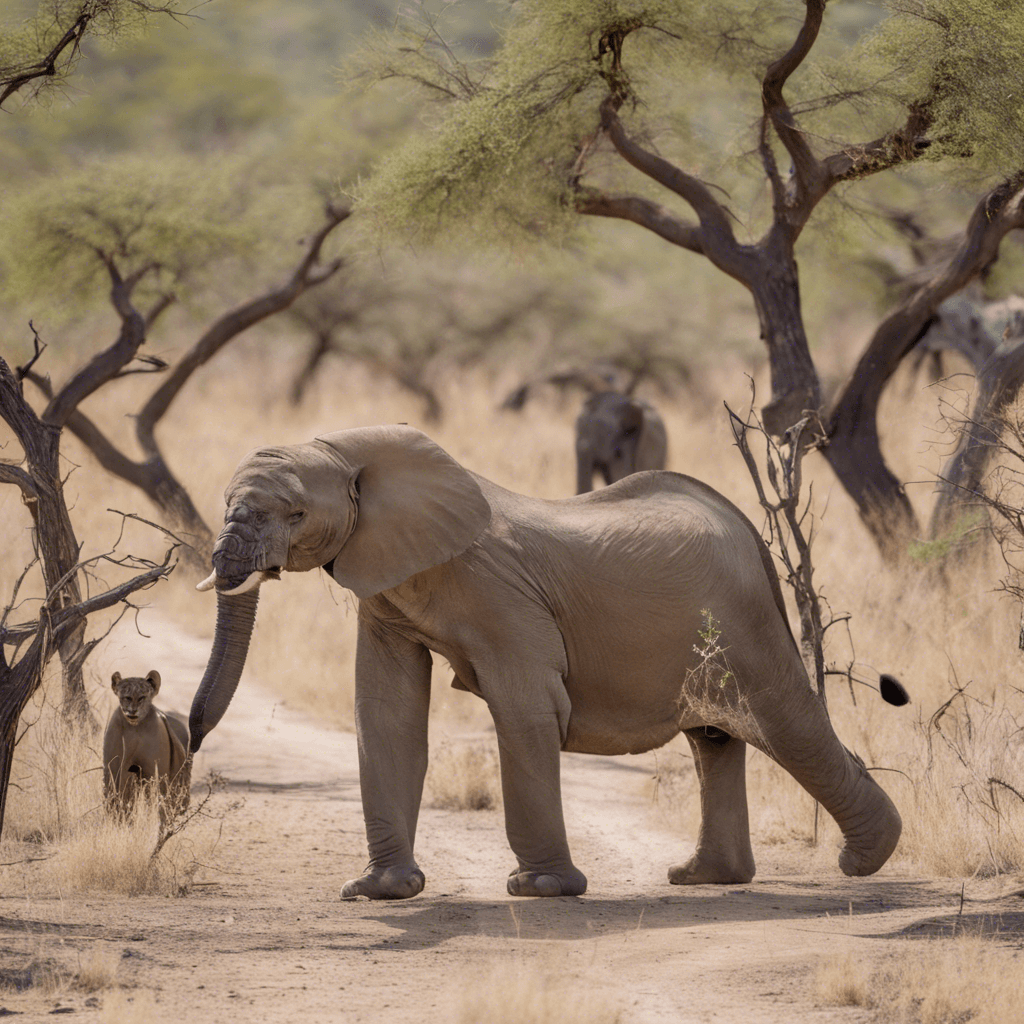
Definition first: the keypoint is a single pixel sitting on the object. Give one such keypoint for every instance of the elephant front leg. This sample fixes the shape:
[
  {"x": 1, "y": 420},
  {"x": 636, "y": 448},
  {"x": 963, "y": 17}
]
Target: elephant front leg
[
  {"x": 392, "y": 701},
  {"x": 723, "y": 855},
  {"x": 529, "y": 745}
]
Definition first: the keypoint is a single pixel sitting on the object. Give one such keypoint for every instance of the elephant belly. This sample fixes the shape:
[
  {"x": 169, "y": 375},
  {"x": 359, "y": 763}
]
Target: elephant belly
[{"x": 623, "y": 713}]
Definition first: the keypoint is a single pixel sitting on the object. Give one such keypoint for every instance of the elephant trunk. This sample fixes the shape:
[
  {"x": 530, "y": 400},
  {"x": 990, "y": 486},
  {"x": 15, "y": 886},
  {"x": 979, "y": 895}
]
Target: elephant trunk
[{"x": 235, "y": 618}]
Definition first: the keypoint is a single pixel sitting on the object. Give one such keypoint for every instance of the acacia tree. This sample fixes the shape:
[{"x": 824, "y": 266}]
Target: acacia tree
[
  {"x": 132, "y": 229},
  {"x": 549, "y": 128},
  {"x": 40, "y": 54}
]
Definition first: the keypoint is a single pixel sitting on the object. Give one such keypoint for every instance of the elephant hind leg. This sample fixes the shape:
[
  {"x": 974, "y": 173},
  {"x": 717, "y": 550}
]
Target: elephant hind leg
[{"x": 723, "y": 855}]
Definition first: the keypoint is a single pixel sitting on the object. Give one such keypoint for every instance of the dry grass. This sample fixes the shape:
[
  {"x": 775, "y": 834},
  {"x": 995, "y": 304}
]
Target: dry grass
[
  {"x": 58, "y": 836},
  {"x": 904, "y": 622},
  {"x": 936, "y": 981},
  {"x": 464, "y": 776},
  {"x": 97, "y": 968},
  {"x": 524, "y": 995}
]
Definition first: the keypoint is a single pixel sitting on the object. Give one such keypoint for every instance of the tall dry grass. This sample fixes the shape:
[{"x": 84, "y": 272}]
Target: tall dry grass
[
  {"x": 58, "y": 835},
  {"x": 933, "y": 638},
  {"x": 931, "y": 981}
]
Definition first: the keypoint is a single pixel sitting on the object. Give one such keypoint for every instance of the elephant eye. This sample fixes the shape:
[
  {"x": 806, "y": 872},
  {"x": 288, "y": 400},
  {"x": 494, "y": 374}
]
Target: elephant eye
[{"x": 296, "y": 516}]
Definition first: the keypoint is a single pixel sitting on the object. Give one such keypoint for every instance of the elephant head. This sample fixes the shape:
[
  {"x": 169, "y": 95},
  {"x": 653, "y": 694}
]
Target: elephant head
[
  {"x": 617, "y": 435},
  {"x": 373, "y": 506}
]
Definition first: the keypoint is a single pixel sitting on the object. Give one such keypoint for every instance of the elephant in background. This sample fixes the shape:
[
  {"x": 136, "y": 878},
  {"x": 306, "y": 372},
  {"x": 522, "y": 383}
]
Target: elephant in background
[
  {"x": 616, "y": 435},
  {"x": 576, "y": 620}
]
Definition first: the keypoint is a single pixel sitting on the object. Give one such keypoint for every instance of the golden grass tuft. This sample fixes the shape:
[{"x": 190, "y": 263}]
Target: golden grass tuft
[
  {"x": 932, "y": 981},
  {"x": 523, "y": 995},
  {"x": 464, "y": 776},
  {"x": 97, "y": 968}
]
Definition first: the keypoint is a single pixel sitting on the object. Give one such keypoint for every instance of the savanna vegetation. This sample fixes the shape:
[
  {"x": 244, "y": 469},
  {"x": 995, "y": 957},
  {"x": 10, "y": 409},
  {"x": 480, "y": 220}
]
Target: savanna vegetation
[{"x": 249, "y": 222}]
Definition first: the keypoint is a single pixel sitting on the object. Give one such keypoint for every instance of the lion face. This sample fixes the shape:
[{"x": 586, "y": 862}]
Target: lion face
[{"x": 135, "y": 694}]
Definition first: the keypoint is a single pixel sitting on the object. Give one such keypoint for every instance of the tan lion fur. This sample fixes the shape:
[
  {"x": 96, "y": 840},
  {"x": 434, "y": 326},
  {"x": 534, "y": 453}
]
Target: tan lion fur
[{"x": 142, "y": 743}]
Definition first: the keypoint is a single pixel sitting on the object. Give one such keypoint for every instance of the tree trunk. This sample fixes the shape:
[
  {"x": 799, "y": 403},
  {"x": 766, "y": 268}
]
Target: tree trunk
[
  {"x": 776, "y": 292},
  {"x": 54, "y": 538},
  {"x": 958, "y": 504}
]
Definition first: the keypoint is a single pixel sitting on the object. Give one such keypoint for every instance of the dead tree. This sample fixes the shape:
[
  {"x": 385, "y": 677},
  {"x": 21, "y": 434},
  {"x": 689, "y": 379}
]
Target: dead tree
[
  {"x": 38, "y": 476},
  {"x": 58, "y": 623},
  {"x": 152, "y": 474}
]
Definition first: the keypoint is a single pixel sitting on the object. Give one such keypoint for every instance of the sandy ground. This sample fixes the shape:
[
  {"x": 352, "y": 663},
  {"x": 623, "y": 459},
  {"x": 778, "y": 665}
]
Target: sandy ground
[{"x": 265, "y": 937}]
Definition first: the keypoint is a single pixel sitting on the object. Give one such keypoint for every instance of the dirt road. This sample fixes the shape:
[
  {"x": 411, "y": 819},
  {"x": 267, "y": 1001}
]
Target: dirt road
[{"x": 265, "y": 938}]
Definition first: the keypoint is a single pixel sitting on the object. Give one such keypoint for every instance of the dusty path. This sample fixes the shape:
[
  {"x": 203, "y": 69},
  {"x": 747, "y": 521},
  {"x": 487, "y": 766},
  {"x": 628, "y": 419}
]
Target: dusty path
[{"x": 266, "y": 938}]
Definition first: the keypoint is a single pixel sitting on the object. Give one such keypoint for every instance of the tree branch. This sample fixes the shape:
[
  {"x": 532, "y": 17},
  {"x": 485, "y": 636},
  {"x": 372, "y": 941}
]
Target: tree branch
[
  {"x": 776, "y": 111},
  {"x": 641, "y": 211},
  {"x": 47, "y": 67},
  {"x": 307, "y": 275},
  {"x": 106, "y": 365},
  {"x": 902, "y": 145},
  {"x": 11, "y": 474},
  {"x": 717, "y": 240}
]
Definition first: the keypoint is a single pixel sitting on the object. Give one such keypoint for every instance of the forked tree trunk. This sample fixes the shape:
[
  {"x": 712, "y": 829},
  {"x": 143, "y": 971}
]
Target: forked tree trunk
[{"x": 959, "y": 503}]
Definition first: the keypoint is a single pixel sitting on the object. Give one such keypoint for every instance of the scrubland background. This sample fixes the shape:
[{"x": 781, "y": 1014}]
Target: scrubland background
[{"x": 253, "y": 87}]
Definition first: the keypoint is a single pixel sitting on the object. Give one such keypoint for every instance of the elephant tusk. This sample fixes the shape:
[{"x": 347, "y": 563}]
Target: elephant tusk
[
  {"x": 253, "y": 580},
  {"x": 209, "y": 583}
]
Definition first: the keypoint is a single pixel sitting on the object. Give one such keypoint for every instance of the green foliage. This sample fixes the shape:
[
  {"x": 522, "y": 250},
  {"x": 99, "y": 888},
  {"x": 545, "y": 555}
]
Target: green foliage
[
  {"x": 500, "y": 162},
  {"x": 967, "y": 530},
  {"x": 964, "y": 60},
  {"x": 40, "y": 43},
  {"x": 167, "y": 219}
]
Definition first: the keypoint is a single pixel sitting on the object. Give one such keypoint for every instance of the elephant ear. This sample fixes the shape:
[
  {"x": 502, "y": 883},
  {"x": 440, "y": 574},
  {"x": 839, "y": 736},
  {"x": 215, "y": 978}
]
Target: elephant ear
[{"x": 417, "y": 507}]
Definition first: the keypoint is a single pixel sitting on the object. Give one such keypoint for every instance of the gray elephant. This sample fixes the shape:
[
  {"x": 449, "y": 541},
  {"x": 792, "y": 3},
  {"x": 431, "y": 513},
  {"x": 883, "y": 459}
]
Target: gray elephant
[
  {"x": 576, "y": 620},
  {"x": 616, "y": 435}
]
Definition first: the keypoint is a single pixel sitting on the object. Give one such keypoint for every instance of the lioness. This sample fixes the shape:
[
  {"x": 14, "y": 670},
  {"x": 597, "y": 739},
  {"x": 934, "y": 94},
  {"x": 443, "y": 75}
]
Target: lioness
[{"x": 142, "y": 743}]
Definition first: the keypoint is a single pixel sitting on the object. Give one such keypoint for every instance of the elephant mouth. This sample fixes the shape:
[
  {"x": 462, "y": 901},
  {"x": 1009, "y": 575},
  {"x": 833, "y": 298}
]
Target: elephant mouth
[{"x": 241, "y": 584}]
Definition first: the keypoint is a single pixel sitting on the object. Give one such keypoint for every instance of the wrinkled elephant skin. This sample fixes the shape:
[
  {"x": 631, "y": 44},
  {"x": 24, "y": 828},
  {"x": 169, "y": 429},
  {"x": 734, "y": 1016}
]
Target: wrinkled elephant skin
[{"x": 575, "y": 620}]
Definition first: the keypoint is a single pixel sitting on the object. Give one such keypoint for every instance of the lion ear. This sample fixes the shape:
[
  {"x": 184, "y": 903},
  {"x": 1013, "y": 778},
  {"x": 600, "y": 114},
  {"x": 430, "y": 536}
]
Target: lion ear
[
  {"x": 416, "y": 506},
  {"x": 114, "y": 680},
  {"x": 153, "y": 677}
]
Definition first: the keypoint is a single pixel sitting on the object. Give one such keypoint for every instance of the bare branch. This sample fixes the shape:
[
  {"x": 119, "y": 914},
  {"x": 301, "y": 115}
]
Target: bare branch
[
  {"x": 776, "y": 111},
  {"x": 641, "y": 211},
  {"x": 718, "y": 242},
  {"x": 12, "y": 474},
  {"x": 306, "y": 275}
]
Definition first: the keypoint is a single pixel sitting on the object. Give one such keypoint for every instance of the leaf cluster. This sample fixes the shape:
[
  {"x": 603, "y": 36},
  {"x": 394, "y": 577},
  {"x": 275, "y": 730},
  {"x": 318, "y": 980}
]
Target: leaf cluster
[
  {"x": 163, "y": 220},
  {"x": 40, "y": 43},
  {"x": 500, "y": 161},
  {"x": 963, "y": 60}
]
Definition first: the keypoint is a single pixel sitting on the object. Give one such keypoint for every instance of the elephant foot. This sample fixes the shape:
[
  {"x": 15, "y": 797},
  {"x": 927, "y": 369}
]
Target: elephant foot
[
  {"x": 540, "y": 883},
  {"x": 702, "y": 869},
  {"x": 857, "y": 858},
  {"x": 387, "y": 884}
]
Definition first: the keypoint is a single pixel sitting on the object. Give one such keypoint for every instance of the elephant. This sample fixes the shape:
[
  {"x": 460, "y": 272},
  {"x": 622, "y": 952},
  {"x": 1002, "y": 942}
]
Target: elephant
[
  {"x": 578, "y": 620},
  {"x": 616, "y": 435},
  {"x": 141, "y": 744}
]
